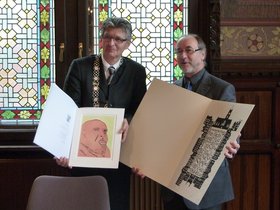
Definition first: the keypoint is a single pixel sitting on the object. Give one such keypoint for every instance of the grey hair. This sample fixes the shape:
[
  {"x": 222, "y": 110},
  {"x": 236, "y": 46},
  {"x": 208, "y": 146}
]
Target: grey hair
[
  {"x": 201, "y": 44},
  {"x": 115, "y": 22}
]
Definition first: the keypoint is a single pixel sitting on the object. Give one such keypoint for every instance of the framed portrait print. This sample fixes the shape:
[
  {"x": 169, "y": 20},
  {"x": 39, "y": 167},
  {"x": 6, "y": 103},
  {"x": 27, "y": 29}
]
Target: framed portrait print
[
  {"x": 88, "y": 136},
  {"x": 96, "y": 139}
]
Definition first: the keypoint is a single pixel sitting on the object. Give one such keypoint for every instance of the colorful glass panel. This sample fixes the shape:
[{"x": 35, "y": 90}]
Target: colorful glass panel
[
  {"x": 157, "y": 25},
  {"x": 26, "y": 59}
]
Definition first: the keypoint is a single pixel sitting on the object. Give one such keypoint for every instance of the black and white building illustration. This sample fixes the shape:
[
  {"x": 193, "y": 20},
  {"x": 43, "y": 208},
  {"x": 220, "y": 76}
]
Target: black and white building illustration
[{"x": 207, "y": 149}]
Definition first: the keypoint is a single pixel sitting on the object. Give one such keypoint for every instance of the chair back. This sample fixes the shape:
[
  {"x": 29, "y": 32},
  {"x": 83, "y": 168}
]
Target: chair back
[{"x": 69, "y": 193}]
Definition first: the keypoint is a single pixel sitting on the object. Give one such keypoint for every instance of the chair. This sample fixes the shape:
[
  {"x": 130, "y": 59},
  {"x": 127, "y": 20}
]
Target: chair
[{"x": 69, "y": 193}]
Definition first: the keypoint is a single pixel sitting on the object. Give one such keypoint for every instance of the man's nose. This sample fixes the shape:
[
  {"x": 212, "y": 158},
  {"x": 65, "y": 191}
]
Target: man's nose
[
  {"x": 101, "y": 134},
  {"x": 111, "y": 41},
  {"x": 183, "y": 58},
  {"x": 184, "y": 55}
]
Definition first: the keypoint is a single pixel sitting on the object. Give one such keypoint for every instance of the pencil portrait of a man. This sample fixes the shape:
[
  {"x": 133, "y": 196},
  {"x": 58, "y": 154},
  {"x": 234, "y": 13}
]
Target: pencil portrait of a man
[{"x": 94, "y": 139}]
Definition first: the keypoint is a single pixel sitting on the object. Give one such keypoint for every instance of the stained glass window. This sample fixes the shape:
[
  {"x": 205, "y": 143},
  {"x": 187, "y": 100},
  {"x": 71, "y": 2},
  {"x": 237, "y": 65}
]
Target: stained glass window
[
  {"x": 27, "y": 42},
  {"x": 26, "y": 59},
  {"x": 157, "y": 24}
]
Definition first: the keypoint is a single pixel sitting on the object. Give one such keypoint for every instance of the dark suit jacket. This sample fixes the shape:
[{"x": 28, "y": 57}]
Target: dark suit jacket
[
  {"x": 126, "y": 90},
  {"x": 220, "y": 190}
]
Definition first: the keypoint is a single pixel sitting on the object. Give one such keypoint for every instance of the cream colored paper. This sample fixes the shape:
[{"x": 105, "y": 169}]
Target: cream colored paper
[{"x": 165, "y": 129}]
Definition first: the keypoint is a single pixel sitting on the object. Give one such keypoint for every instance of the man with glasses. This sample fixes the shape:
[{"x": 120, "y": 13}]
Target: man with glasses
[
  {"x": 109, "y": 80},
  {"x": 191, "y": 55}
]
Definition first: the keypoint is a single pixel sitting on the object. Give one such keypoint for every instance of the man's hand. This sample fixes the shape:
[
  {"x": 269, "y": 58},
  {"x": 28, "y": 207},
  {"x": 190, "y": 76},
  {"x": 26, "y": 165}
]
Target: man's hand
[
  {"x": 124, "y": 129},
  {"x": 138, "y": 172},
  {"x": 232, "y": 149},
  {"x": 62, "y": 161}
]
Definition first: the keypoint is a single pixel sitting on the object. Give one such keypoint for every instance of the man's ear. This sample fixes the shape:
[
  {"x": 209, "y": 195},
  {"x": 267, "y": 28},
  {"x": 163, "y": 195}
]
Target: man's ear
[{"x": 203, "y": 53}]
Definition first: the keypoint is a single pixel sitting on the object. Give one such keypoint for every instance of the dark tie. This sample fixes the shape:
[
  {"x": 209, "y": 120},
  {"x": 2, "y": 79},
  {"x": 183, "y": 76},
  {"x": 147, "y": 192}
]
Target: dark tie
[
  {"x": 111, "y": 71},
  {"x": 188, "y": 84}
]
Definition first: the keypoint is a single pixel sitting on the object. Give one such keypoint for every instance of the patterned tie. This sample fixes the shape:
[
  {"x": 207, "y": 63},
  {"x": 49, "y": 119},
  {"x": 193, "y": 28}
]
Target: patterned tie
[{"x": 111, "y": 71}]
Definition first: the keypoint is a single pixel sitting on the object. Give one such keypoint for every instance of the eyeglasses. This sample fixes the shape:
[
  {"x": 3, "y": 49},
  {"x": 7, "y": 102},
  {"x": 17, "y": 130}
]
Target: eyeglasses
[
  {"x": 117, "y": 40},
  {"x": 188, "y": 51}
]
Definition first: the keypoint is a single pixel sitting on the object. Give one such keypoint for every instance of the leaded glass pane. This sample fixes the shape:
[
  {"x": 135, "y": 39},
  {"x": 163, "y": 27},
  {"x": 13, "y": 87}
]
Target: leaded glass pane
[
  {"x": 26, "y": 59},
  {"x": 157, "y": 24}
]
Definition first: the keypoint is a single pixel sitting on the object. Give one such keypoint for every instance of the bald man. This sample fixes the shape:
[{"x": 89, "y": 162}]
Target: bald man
[{"x": 94, "y": 139}]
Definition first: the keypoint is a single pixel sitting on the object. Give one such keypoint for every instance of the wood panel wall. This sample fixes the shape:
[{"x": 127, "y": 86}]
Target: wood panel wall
[
  {"x": 254, "y": 167},
  {"x": 17, "y": 173},
  {"x": 256, "y": 76}
]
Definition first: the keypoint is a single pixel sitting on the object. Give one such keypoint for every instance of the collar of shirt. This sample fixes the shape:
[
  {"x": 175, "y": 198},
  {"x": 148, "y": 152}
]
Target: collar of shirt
[
  {"x": 195, "y": 79},
  {"x": 106, "y": 65}
]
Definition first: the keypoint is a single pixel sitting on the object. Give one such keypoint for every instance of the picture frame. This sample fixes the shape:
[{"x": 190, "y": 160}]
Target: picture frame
[{"x": 96, "y": 139}]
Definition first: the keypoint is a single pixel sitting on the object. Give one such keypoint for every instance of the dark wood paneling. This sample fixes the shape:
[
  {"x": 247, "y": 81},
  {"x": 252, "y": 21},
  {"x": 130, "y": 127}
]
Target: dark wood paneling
[
  {"x": 17, "y": 136},
  {"x": 276, "y": 161},
  {"x": 258, "y": 126},
  {"x": 256, "y": 169},
  {"x": 66, "y": 32},
  {"x": 60, "y": 39},
  {"x": 251, "y": 185},
  {"x": 264, "y": 181},
  {"x": 17, "y": 176},
  {"x": 83, "y": 26}
]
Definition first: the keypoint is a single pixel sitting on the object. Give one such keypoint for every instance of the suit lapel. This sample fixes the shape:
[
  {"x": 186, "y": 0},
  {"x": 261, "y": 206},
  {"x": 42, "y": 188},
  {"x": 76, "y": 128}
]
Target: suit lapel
[
  {"x": 179, "y": 82},
  {"x": 205, "y": 84}
]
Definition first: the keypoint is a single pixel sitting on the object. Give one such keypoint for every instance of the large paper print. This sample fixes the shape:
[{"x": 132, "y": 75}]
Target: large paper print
[{"x": 178, "y": 137}]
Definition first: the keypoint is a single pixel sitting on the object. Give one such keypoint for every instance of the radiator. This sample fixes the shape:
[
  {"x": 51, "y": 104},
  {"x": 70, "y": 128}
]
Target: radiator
[{"x": 145, "y": 194}]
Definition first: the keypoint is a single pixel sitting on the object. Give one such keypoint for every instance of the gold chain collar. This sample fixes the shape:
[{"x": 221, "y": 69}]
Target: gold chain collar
[{"x": 95, "y": 82}]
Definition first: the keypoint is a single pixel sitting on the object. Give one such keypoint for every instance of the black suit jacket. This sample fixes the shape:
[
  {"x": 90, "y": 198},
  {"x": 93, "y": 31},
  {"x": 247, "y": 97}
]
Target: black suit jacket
[
  {"x": 220, "y": 189},
  {"x": 126, "y": 90}
]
